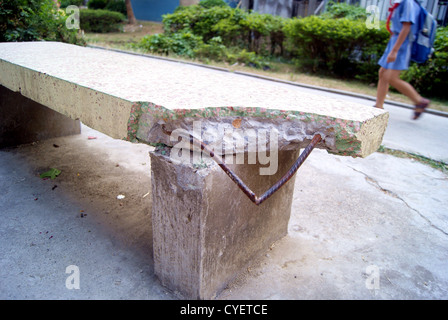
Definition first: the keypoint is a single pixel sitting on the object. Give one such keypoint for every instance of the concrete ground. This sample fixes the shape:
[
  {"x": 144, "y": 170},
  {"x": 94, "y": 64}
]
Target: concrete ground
[{"x": 373, "y": 228}]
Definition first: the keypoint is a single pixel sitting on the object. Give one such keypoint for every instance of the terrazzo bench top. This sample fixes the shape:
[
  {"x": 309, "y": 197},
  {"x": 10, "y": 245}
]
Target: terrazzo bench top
[{"x": 129, "y": 96}]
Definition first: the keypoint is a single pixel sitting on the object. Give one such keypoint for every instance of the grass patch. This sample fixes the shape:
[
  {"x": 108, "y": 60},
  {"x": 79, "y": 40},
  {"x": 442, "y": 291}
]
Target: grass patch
[
  {"x": 131, "y": 34},
  {"x": 438, "y": 165}
]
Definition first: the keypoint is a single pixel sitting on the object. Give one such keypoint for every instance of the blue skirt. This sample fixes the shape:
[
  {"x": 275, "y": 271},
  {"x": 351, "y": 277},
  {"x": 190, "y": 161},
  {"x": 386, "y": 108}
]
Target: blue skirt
[{"x": 403, "y": 55}]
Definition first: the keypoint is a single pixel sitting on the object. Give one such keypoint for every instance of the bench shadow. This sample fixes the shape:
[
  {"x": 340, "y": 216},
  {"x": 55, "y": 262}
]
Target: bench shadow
[{"x": 95, "y": 170}]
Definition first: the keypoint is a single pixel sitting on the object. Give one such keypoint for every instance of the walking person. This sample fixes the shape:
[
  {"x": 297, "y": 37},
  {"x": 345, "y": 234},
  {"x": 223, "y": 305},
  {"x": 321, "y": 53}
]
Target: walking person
[{"x": 397, "y": 56}]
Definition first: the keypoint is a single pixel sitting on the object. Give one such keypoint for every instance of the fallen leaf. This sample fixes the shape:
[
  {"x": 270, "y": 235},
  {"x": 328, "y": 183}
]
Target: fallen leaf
[{"x": 52, "y": 173}]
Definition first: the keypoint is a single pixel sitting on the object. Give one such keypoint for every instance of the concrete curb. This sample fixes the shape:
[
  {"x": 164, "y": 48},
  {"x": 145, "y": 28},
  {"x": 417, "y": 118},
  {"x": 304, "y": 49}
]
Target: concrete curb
[{"x": 337, "y": 91}]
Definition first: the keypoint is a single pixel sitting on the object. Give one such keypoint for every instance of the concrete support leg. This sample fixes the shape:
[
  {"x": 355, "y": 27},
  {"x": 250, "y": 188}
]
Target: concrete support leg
[
  {"x": 206, "y": 231},
  {"x": 24, "y": 121}
]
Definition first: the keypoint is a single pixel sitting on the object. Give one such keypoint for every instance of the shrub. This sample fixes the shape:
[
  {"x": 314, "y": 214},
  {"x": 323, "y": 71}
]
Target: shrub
[
  {"x": 431, "y": 78},
  {"x": 208, "y": 18},
  {"x": 185, "y": 43},
  {"x": 156, "y": 43},
  {"x": 111, "y": 5},
  {"x": 212, "y": 3},
  {"x": 207, "y": 23},
  {"x": 181, "y": 18},
  {"x": 257, "y": 25},
  {"x": 276, "y": 34},
  {"x": 260, "y": 33},
  {"x": 214, "y": 50},
  {"x": 101, "y": 21},
  {"x": 117, "y": 5},
  {"x": 181, "y": 43},
  {"x": 342, "y": 10},
  {"x": 265, "y": 32},
  {"x": 96, "y": 4},
  {"x": 374, "y": 43},
  {"x": 231, "y": 28},
  {"x": 33, "y": 20},
  {"x": 248, "y": 58},
  {"x": 66, "y": 3},
  {"x": 339, "y": 46}
]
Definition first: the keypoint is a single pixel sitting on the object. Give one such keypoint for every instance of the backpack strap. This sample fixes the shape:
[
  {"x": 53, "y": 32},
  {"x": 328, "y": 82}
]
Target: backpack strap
[{"x": 391, "y": 11}]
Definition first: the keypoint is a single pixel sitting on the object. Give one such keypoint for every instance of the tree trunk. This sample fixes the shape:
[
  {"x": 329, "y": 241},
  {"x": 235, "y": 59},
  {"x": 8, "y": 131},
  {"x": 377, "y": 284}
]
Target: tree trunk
[{"x": 130, "y": 12}]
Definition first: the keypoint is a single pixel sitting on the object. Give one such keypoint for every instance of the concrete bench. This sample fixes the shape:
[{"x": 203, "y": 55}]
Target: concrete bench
[{"x": 206, "y": 226}]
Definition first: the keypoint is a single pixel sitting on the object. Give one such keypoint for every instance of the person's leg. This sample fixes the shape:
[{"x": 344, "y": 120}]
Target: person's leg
[
  {"x": 409, "y": 91},
  {"x": 403, "y": 86},
  {"x": 392, "y": 77},
  {"x": 382, "y": 88}
]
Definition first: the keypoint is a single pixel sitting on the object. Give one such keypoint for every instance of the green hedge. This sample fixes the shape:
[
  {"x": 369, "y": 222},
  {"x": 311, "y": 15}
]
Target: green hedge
[
  {"x": 337, "y": 42},
  {"x": 259, "y": 33},
  {"x": 66, "y": 3},
  {"x": 101, "y": 21},
  {"x": 117, "y": 5},
  {"x": 181, "y": 43},
  {"x": 197, "y": 19},
  {"x": 34, "y": 20},
  {"x": 96, "y": 4},
  {"x": 185, "y": 43},
  {"x": 342, "y": 10},
  {"x": 212, "y": 3},
  {"x": 343, "y": 47},
  {"x": 111, "y": 5}
]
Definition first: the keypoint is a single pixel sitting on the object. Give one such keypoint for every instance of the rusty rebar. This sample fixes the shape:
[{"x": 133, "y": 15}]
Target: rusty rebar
[
  {"x": 247, "y": 191},
  {"x": 288, "y": 175}
]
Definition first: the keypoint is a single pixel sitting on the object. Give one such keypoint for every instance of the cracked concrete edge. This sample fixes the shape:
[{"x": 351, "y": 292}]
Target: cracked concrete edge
[
  {"x": 347, "y": 130},
  {"x": 340, "y": 136},
  {"x": 298, "y": 84}
]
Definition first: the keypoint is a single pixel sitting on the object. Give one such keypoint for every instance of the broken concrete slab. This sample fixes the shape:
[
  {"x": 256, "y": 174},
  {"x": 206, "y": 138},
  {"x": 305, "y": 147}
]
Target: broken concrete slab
[
  {"x": 128, "y": 96},
  {"x": 348, "y": 131}
]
